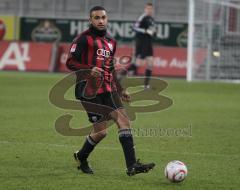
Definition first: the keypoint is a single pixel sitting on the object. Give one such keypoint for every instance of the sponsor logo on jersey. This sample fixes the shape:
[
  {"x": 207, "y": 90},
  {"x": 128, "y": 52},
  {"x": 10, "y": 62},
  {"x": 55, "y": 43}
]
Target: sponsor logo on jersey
[
  {"x": 73, "y": 48},
  {"x": 104, "y": 53},
  {"x": 110, "y": 46}
]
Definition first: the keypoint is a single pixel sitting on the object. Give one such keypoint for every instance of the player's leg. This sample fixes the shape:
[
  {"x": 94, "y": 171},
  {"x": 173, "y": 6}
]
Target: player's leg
[
  {"x": 99, "y": 131},
  {"x": 140, "y": 61},
  {"x": 126, "y": 139},
  {"x": 148, "y": 71},
  {"x": 137, "y": 58},
  {"x": 132, "y": 69},
  {"x": 97, "y": 134},
  {"x": 139, "y": 54},
  {"x": 148, "y": 56}
]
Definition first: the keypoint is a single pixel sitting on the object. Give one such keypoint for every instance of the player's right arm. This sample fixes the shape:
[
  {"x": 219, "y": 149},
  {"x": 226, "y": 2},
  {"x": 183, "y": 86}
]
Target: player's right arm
[
  {"x": 136, "y": 26},
  {"x": 148, "y": 26},
  {"x": 77, "y": 53}
]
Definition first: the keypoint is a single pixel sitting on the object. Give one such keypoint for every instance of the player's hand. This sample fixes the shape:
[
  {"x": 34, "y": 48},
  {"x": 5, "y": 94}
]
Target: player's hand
[
  {"x": 125, "y": 96},
  {"x": 96, "y": 71},
  {"x": 150, "y": 32}
]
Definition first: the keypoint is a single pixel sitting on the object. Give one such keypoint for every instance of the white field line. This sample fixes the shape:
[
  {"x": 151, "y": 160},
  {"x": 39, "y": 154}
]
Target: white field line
[{"x": 119, "y": 149}]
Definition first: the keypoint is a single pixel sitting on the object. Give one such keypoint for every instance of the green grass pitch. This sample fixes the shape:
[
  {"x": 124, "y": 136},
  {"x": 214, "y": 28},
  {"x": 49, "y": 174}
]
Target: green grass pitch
[{"x": 34, "y": 156}]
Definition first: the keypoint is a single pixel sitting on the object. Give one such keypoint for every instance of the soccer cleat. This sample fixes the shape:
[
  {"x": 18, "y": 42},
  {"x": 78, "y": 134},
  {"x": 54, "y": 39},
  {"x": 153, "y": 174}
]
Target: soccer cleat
[
  {"x": 147, "y": 87},
  {"x": 139, "y": 168},
  {"x": 83, "y": 165}
]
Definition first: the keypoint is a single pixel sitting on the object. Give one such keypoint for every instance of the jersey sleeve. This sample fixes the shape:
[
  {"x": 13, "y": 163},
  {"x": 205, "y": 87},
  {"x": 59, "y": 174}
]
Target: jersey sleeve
[
  {"x": 114, "y": 73},
  {"x": 137, "y": 26},
  {"x": 117, "y": 82},
  {"x": 77, "y": 50},
  {"x": 145, "y": 25},
  {"x": 148, "y": 22},
  {"x": 149, "y": 25}
]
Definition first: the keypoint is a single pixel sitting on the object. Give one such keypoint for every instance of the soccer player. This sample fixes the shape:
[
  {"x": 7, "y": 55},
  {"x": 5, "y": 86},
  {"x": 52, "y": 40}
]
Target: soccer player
[
  {"x": 92, "y": 53},
  {"x": 145, "y": 29}
]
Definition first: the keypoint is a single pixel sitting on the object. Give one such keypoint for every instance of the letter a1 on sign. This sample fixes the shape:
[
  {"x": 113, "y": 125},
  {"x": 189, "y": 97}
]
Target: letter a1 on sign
[{"x": 15, "y": 55}]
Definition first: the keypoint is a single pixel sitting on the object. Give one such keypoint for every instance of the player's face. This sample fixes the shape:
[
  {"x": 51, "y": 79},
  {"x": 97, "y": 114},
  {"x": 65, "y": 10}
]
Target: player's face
[
  {"x": 149, "y": 10},
  {"x": 99, "y": 19}
]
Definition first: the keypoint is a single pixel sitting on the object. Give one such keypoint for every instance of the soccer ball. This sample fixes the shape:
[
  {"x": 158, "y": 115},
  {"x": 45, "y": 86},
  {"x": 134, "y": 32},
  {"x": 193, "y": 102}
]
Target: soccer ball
[{"x": 176, "y": 171}]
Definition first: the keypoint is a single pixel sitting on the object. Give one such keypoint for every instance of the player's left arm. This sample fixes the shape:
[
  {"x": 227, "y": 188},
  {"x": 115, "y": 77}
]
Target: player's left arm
[
  {"x": 150, "y": 26},
  {"x": 74, "y": 60},
  {"x": 121, "y": 91},
  {"x": 137, "y": 29}
]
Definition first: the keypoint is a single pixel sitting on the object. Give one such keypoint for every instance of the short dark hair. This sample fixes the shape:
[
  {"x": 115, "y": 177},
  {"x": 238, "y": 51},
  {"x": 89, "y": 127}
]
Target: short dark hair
[
  {"x": 96, "y": 8},
  {"x": 149, "y": 4}
]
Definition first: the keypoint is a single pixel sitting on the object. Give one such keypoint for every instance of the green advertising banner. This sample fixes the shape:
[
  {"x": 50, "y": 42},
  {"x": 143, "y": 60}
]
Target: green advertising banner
[{"x": 65, "y": 30}]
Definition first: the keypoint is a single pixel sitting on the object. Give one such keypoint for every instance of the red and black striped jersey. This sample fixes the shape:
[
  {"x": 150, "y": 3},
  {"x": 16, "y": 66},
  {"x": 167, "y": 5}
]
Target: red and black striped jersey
[{"x": 90, "y": 49}]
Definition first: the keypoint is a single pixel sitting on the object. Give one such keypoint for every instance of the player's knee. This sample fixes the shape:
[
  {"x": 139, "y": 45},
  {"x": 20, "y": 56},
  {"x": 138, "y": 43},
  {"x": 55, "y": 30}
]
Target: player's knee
[
  {"x": 101, "y": 134},
  {"x": 149, "y": 61},
  {"x": 120, "y": 117},
  {"x": 123, "y": 121}
]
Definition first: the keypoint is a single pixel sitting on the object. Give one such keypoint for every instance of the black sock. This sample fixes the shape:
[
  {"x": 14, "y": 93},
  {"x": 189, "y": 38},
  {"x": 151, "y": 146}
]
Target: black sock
[
  {"x": 133, "y": 68},
  {"x": 87, "y": 148},
  {"x": 126, "y": 139},
  {"x": 148, "y": 74}
]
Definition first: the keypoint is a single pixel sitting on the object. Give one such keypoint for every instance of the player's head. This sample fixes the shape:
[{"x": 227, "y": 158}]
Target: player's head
[
  {"x": 149, "y": 9},
  {"x": 98, "y": 18}
]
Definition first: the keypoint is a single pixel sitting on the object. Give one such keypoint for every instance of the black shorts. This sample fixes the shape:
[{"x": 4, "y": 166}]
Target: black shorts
[
  {"x": 99, "y": 107},
  {"x": 143, "y": 48}
]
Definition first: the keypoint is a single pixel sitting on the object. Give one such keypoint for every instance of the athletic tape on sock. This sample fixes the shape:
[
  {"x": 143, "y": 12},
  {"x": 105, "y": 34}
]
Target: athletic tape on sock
[
  {"x": 91, "y": 141},
  {"x": 125, "y": 132}
]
